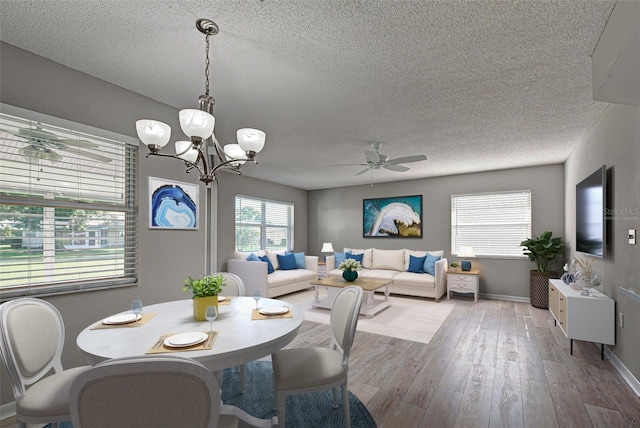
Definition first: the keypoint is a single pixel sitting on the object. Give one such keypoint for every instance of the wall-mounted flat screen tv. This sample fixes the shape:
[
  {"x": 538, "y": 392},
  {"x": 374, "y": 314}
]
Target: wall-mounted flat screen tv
[{"x": 591, "y": 199}]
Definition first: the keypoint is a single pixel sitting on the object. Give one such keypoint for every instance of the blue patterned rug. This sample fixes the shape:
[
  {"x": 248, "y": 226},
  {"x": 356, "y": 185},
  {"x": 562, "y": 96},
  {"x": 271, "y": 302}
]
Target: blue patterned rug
[{"x": 311, "y": 410}]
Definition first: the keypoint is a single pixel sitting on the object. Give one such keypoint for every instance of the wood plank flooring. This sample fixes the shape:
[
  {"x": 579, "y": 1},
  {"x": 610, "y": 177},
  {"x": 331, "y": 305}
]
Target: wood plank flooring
[{"x": 492, "y": 364}]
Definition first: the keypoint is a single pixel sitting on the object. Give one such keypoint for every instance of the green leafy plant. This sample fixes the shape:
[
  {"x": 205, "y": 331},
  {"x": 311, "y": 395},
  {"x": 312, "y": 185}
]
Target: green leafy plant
[
  {"x": 208, "y": 285},
  {"x": 543, "y": 250},
  {"x": 350, "y": 264},
  {"x": 454, "y": 265}
]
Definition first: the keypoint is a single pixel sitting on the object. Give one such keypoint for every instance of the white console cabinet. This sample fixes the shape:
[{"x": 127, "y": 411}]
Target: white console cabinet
[{"x": 588, "y": 318}]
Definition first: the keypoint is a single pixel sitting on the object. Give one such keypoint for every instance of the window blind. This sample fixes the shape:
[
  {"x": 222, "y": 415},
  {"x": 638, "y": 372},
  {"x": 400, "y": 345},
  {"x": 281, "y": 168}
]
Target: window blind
[
  {"x": 263, "y": 224},
  {"x": 68, "y": 209},
  {"x": 494, "y": 224}
]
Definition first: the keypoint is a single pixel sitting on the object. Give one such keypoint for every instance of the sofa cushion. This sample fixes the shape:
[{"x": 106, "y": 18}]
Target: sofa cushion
[
  {"x": 367, "y": 258},
  {"x": 415, "y": 279},
  {"x": 356, "y": 257},
  {"x": 242, "y": 255},
  {"x": 409, "y": 253},
  {"x": 282, "y": 277},
  {"x": 430, "y": 264},
  {"x": 273, "y": 256},
  {"x": 340, "y": 257},
  {"x": 387, "y": 274},
  {"x": 287, "y": 262},
  {"x": 388, "y": 259},
  {"x": 270, "y": 268},
  {"x": 416, "y": 264},
  {"x": 300, "y": 262}
]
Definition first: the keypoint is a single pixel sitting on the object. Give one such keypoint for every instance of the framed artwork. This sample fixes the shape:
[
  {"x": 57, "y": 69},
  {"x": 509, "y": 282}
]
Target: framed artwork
[
  {"x": 173, "y": 204},
  {"x": 396, "y": 217}
]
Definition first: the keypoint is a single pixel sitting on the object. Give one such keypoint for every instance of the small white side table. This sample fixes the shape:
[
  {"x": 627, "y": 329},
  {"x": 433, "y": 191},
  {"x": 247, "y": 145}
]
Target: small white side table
[{"x": 463, "y": 282}]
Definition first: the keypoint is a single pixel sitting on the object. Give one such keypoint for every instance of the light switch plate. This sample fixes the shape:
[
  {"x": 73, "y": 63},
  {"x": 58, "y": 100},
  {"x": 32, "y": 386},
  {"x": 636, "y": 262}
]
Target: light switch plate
[{"x": 632, "y": 237}]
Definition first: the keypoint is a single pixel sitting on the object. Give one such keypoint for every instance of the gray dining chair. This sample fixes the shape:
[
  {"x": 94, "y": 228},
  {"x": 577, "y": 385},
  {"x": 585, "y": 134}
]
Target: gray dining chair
[
  {"x": 147, "y": 391},
  {"x": 31, "y": 342},
  {"x": 302, "y": 370},
  {"x": 234, "y": 286}
]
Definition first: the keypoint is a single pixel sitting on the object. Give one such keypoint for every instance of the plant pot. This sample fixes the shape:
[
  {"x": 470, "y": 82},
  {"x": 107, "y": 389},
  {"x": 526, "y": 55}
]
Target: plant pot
[
  {"x": 350, "y": 275},
  {"x": 539, "y": 288},
  {"x": 200, "y": 306}
]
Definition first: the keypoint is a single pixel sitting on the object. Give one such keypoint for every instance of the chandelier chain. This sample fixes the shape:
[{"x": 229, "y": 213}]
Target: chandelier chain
[{"x": 206, "y": 68}]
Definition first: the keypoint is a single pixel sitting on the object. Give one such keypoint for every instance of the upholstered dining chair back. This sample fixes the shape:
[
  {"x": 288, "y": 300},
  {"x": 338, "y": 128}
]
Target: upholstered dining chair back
[
  {"x": 149, "y": 391},
  {"x": 31, "y": 342},
  {"x": 234, "y": 286}
]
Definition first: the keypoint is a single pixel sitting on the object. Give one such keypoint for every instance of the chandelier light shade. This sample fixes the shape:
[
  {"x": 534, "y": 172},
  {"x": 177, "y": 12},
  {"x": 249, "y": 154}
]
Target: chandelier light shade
[{"x": 198, "y": 126}]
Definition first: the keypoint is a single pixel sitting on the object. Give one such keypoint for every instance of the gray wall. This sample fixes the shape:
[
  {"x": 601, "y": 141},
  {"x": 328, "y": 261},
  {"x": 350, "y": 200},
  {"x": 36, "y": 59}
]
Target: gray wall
[
  {"x": 614, "y": 141},
  {"x": 335, "y": 215}
]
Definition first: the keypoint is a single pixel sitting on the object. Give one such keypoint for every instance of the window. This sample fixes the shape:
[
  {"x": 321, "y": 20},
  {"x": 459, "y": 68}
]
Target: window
[
  {"x": 67, "y": 206},
  {"x": 494, "y": 224},
  {"x": 263, "y": 225}
]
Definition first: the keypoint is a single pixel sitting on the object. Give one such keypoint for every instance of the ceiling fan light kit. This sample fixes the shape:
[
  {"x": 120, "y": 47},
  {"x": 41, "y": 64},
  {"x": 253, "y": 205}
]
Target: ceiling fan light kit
[{"x": 198, "y": 125}]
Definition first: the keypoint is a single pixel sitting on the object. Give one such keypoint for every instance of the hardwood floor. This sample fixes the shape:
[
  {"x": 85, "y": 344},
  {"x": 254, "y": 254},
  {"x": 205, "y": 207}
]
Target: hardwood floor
[{"x": 492, "y": 364}]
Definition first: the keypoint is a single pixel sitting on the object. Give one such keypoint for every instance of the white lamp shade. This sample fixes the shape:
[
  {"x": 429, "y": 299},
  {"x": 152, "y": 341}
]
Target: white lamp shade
[
  {"x": 190, "y": 154},
  {"x": 251, "y": 140},
  {"x": 327, "y": 247},
  {"x": 233, "y": 151},
  {"x": 153, "y": 132},
  {"x": 466, "y": 251},
  {"x": 197, "y": 123}
]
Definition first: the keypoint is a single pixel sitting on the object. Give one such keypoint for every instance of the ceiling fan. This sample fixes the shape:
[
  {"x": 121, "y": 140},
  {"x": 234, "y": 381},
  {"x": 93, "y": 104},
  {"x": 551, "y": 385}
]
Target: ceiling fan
[
  {"x": 45, "y": 145},
  {"x": 377, "y": 160}
]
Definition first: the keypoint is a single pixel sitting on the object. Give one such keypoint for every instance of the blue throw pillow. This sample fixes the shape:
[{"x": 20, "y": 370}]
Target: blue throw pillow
[
  {"x": 356, "y": 257},
  {"x": 300, "y": 260},
  {"x": 340, "y": 257},
  {"x": 416, "y": 264},
  {"x": 268, "y": 262},
  {"x": 430, "y": 264},
  {"x": 253, "y": 258},
  {"x": 287, "y": 262}
]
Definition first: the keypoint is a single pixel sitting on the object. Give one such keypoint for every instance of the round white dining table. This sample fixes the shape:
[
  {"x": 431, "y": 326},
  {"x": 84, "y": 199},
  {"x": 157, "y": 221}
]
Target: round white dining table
[{"x": 239, "y": 341}]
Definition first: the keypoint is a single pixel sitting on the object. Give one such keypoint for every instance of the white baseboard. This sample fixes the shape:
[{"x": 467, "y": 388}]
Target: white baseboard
[
  {"x": 8, "y": 410},
  {"x": 622, "y": 370},
  {"x": 505, "y": 297}
]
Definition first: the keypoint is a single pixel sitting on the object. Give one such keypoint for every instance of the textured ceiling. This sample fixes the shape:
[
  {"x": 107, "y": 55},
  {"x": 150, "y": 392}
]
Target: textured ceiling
[{"x": 474, "y": 85}]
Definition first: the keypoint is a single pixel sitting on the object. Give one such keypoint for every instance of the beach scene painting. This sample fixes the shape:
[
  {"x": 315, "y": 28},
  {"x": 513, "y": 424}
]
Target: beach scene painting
[{"x": 399, "y": 217}]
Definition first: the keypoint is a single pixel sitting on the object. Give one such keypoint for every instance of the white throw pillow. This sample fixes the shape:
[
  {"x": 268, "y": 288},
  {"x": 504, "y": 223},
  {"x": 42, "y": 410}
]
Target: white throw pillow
[
  {"x": 367, "y": 259},
  {"x": 242, "y": 255},
  {"x": 388, "y": 259},
  {"x": 273, "y": 256}
]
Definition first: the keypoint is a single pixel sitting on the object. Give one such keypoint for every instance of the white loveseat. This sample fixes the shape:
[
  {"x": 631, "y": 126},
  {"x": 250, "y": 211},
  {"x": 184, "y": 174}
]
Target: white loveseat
[
  {"x": 392, "y": 265},
  {"x": 255, "y": 277}
]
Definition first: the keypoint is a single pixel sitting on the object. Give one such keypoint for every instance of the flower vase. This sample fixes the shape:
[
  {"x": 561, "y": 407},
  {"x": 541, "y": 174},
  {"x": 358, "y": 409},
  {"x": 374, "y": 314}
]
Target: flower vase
[
  {"x": 350, "y": 275},
  {"x": 200, "y": 306}
]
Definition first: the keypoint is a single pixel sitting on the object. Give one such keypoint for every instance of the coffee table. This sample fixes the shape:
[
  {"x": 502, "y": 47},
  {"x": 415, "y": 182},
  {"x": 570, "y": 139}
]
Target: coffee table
[{"x": 370, "y": 304}]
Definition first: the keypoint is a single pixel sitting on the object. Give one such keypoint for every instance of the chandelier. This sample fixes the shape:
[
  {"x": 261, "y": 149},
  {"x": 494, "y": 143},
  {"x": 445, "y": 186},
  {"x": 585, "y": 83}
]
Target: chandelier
[{"x": 198, "y": 125}]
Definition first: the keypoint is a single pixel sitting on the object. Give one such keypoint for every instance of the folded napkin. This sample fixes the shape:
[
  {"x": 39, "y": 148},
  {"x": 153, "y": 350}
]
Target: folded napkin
[
  {"x": 160, "y": 348},
  {"x": 145, "y": 319},
  {"x": 256, "y": 315}
]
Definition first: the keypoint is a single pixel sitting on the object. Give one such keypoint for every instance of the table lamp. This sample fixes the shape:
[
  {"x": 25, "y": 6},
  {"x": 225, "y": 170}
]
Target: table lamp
[
  {"x": 327, "y": 247},
  {"x": 466, "y": 251}
]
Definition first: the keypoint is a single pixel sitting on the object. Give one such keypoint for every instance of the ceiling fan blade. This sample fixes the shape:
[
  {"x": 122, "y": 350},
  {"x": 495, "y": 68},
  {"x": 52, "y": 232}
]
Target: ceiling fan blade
[
  {"x": 398, "y": 168},
  {"x": 372, "y": 156},
  {"x": 363, "y": 171},
  {"x": 349, "y": 164},
  {"x": 407, "y": 159},
  {"x": 37, "y": 134},
  {"x": 38, "y": 152},
  {"x": 89, "y": 155},
  {"x": 78, "y": 143}
]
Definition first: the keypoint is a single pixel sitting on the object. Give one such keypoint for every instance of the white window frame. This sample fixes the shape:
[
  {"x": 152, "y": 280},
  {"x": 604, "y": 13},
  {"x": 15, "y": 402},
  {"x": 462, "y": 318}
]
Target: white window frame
[
  {"x": 127, "y": 209},
  {"x": 264, "y": 225},
  {"x": 492, "y": 223}
]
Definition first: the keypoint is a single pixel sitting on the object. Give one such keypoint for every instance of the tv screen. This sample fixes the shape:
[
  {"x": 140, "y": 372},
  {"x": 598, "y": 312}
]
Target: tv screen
[{"x": 591, "y": 196}]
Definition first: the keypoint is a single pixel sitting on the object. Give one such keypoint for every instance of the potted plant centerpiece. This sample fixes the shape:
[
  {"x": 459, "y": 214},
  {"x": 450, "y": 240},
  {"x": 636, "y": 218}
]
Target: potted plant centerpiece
[
  {"x": 543, "y": 250},
  {"x": 350, "y": 268},
  {"x": 205, "y": 293}
]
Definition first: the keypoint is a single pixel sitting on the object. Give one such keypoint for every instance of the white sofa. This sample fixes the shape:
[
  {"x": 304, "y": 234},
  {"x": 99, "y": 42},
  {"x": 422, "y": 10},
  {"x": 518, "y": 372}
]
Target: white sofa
[
  {"x": 255, "y": 277},
  {"x": 392, "y": 265}
]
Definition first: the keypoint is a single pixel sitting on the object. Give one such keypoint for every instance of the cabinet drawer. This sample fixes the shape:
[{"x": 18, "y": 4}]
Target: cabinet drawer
[{"x": 461, "y": 280}]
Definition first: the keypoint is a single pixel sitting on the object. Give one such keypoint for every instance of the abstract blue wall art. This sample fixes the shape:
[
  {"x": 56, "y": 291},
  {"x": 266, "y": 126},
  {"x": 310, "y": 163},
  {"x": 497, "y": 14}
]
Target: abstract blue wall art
[
  {"x": 172, "y": 204},
  {"x": 398, "y": 217}
]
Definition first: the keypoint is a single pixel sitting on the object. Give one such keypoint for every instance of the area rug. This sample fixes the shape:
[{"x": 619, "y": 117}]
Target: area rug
[
  {"x": 408, "y": 318},
  {"x": 310, "y": 410}
]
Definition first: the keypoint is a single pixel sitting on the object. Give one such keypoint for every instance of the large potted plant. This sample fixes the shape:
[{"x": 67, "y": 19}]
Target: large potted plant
[
  {"x": 205, "y": 293},
  {"x": 543, "y": 250}
]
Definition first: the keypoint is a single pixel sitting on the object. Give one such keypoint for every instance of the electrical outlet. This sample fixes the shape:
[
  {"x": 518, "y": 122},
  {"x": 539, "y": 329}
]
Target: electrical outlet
[
  {"x": 632, "y": 237},
  {"x": 621, "y": 319}
]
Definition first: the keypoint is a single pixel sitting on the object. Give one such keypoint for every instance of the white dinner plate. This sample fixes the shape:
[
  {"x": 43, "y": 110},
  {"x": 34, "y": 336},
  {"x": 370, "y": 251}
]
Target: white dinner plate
[
  {"x": 121, "y": 319},
  {"x": 221, "y": 298},
  {"x": 273, "y": 310},
  {"x": 185, "y": 339}
]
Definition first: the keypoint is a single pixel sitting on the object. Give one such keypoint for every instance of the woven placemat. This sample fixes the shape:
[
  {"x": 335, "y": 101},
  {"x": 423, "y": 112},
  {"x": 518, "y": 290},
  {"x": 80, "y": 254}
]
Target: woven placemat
[
  {"x": 160, "y": 348},
  {"x": 256, "y": 315},
  {"x": 145, "y": 319}
]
